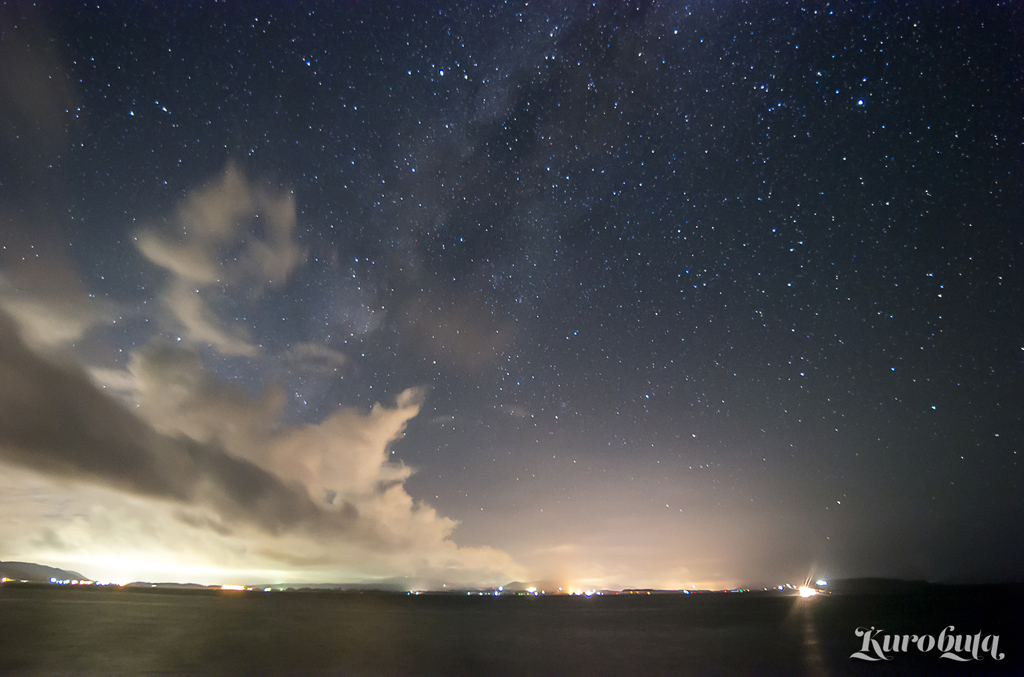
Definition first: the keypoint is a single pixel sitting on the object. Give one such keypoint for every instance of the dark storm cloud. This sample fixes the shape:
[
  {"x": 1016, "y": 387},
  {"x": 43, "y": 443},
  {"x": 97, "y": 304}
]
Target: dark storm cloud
[{"x": 53, "y": 420}]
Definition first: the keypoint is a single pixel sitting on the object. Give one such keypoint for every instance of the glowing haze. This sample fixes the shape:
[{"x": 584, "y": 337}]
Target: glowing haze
[{"x": 587, "y": 295}]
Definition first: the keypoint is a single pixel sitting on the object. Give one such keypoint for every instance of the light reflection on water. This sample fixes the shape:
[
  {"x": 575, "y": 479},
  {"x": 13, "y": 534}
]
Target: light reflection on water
[{"x": 814, "y": 660}]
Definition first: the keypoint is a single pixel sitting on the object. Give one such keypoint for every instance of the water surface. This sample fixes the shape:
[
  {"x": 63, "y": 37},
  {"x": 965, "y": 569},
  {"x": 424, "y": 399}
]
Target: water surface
[{"x": 61, "y": 630}]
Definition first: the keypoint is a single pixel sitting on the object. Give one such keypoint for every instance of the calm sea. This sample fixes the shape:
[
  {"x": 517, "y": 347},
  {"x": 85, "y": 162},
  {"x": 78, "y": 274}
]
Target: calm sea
[{"x": 61, "y": 630}]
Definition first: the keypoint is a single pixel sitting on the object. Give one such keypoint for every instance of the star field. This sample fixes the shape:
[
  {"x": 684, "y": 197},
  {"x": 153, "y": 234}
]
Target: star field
[{"x": 691, "y": 293}]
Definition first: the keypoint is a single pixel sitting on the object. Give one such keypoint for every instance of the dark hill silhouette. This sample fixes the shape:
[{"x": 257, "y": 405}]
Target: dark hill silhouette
[
  {"x": 876, "y": 586},
  {"x": 27, "y": 571}
]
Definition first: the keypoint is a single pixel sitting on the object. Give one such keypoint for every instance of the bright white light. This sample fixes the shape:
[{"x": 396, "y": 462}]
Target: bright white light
[
  {"x": 807, "y": 592},
  {"x": 821, "y": 582},
  {"x": 229, "y": 586}
]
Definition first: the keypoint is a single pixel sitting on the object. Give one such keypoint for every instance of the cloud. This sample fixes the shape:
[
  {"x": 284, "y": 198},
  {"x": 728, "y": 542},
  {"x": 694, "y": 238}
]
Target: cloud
[
  {"x": 202, "y": 326},
  {"x": 221, "y": 216},
  {"x": 276, "y": 257},
  {"x": 314, "y": 358},
  {"x": 200, "y": 462},
  {"x": 155, "y": 463},
  {"x": 172, "y": 392},
  {"x": 214, "y": 239},
  {"x": 205, "y": 222},
  {"x": 347, "y": 454},
  {"x": 514, "y": 410},
  {"x": 35, "y": 87},
  {"x": 114, "y": 535},
  {"x": 53, "y": 420},
  {"x": 49, "y": 303},
  {"x": 457, "y": 328}
]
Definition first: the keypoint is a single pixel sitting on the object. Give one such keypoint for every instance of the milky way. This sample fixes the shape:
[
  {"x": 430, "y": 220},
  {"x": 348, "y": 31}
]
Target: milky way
[{"x": 652, "y": 294}]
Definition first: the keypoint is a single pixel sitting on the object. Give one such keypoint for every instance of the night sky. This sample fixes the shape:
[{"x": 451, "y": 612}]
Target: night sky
[{"x": 622, "y": 294}]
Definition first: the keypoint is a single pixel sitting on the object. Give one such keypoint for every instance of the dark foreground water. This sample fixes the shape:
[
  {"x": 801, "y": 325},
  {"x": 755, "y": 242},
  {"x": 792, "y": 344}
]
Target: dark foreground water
[{"x": 61, "y": 630}]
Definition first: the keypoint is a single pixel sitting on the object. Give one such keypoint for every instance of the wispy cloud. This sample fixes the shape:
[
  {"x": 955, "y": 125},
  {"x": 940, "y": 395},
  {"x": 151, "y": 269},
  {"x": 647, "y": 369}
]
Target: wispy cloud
[
  {"x": 228, "y": 236},
  {"x": 49, "y": 303}
]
